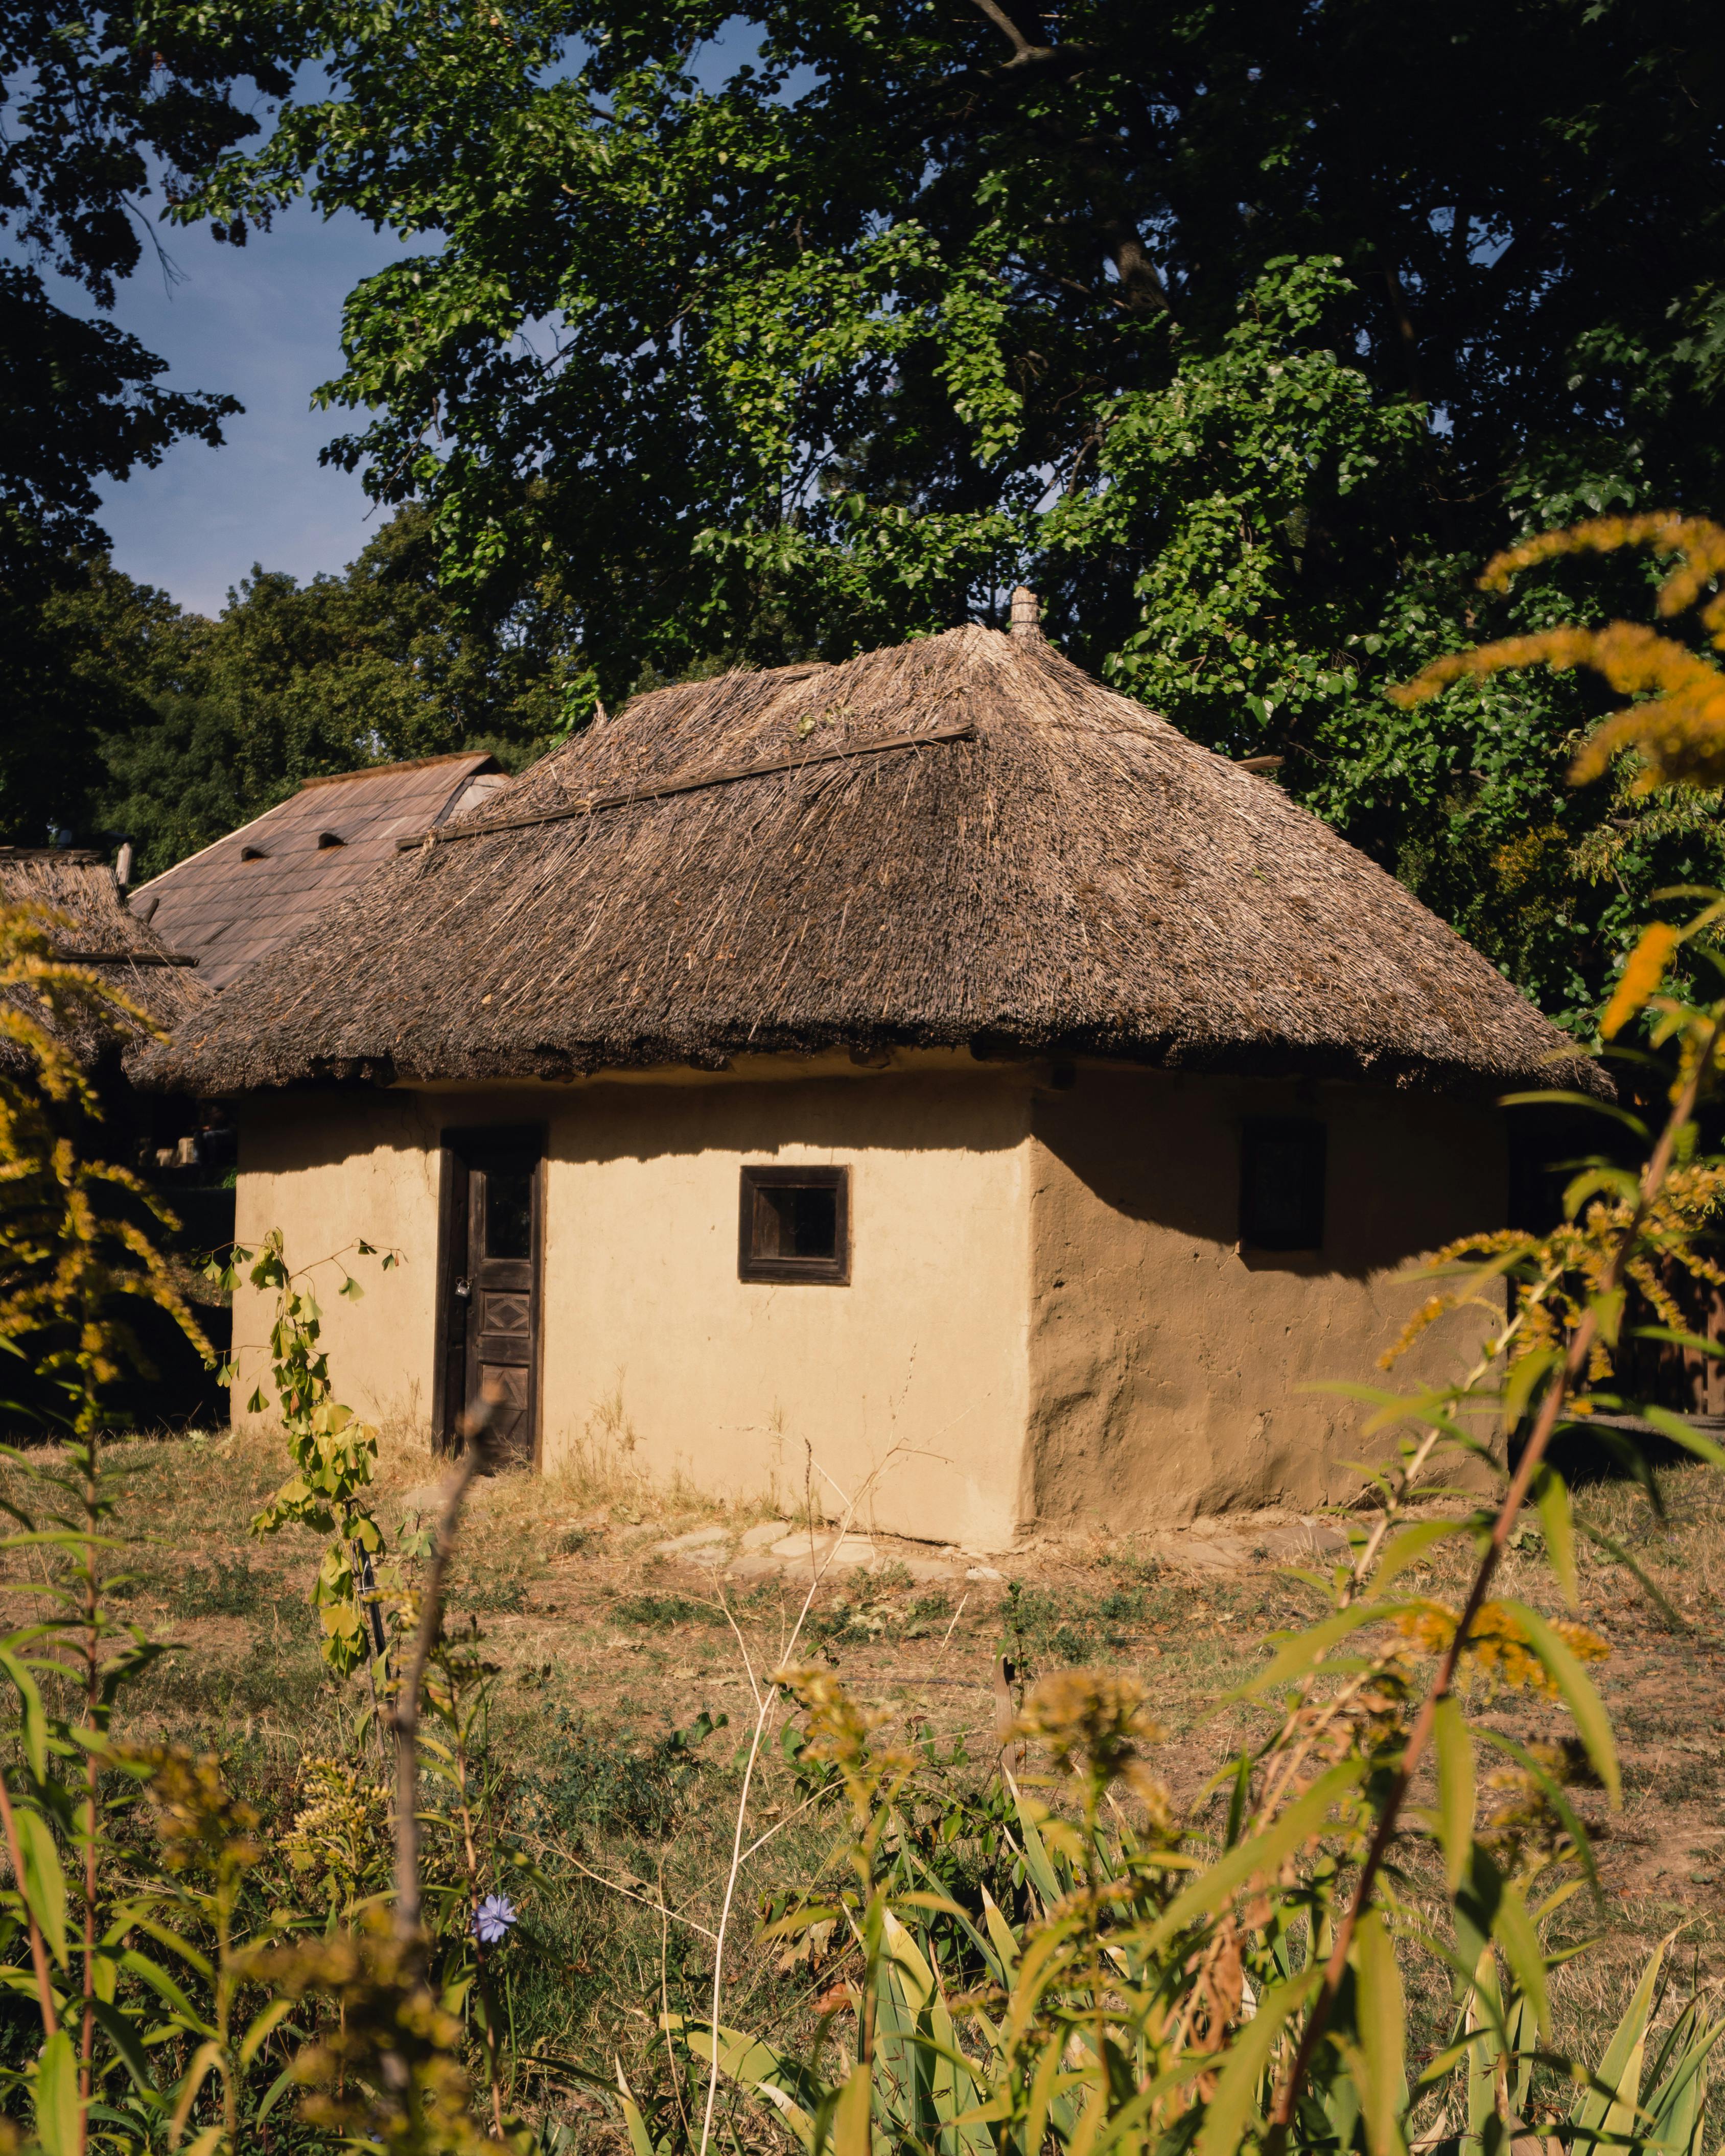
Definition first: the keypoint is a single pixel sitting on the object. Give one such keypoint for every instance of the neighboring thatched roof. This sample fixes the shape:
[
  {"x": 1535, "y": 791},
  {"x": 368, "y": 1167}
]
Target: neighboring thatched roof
[
  {"x": 1073, "y": 875},
  {"x": 265, "y": 884},
  {"x": 95, "y": 930}
]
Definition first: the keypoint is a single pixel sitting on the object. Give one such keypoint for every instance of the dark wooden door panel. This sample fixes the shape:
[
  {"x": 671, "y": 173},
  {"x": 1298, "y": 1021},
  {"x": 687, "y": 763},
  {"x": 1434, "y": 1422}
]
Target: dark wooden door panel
[{"x": 492, "y": 1325}]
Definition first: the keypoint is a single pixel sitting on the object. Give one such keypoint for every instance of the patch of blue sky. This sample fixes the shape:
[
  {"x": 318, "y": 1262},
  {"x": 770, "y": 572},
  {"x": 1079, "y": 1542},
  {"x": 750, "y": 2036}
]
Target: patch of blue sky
[{"x": 263, "y": 323}]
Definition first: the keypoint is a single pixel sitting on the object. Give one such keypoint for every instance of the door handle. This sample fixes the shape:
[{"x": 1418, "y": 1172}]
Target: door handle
[{"x": 463, "y": 1289}]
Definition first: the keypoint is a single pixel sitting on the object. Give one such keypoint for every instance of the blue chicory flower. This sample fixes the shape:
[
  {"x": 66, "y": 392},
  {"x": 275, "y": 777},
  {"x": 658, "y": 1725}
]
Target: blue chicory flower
[{"x": 492, "y": 1919}]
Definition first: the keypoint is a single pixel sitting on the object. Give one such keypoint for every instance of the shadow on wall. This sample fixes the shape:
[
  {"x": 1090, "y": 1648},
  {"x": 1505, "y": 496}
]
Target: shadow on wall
[
  {"x": 1403, "y": 1173},
  {"x": 1173, "y": 1371},
  {"x": 916, "y": 1110}
]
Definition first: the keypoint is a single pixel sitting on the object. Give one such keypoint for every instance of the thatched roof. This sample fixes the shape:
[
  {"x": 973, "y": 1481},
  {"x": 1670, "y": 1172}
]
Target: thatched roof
[
  {"x": 1071, "y": 874},
  {"x": 264, "y": 886},
  {"x": 91, "y": 928}
]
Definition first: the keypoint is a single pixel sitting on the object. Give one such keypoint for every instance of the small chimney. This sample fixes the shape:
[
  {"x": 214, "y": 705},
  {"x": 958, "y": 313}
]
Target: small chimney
[
  {"x": 1026, "y": 612},
  {"x": 122, "y": 867}
]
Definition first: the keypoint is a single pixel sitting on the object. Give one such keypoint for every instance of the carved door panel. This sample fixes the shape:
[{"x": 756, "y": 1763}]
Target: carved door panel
[{"x": 492, "y": 1268}]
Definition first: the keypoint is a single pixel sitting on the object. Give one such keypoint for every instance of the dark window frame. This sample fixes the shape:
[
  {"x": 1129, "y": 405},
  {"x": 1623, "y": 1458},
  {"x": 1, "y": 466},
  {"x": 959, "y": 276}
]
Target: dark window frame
[
  {"x": 830, "y": 1272},
  {"x": 1258, "y": 1133}
]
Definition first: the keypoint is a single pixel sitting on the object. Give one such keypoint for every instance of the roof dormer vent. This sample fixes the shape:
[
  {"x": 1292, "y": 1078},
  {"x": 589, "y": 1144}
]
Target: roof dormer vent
[
  {"x": 254, "y": 852},
  {"x": 325, "y": 840}
]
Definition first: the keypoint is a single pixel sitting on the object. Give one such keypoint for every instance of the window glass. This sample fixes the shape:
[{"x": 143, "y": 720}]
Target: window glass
[
  {"x": 508, "y": 1212},
  {"x": 795, "y": 1225},
  {"x": 1282, "y": 1185},
  {"x": 794, "y": 1221}
]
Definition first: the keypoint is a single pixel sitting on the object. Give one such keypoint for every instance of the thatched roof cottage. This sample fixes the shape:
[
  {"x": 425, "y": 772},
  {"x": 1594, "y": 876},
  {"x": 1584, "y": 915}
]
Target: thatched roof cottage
[
  {"x": 933, "y": 1061},
  {"x": 83, "y": 907}
]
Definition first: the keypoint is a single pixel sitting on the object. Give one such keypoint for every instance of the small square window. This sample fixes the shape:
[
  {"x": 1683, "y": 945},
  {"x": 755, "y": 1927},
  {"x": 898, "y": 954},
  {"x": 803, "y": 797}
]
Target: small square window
[
  {"x": 795, "y": 1225},
  {"x": 1281, "y": 1184}
]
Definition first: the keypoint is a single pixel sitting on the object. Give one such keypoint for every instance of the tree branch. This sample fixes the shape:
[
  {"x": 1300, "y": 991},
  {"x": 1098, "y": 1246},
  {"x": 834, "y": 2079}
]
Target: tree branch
[{"x": 1023, "y": 53}]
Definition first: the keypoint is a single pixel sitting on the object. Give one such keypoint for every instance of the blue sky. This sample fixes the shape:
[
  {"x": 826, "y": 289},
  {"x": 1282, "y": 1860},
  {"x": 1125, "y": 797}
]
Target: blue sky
[{"x": 262, "y": 322}]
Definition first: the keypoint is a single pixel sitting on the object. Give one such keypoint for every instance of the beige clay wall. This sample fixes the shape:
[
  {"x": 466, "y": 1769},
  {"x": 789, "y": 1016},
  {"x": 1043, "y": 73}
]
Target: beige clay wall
[
  {"x": 329, "y": 1170},
  {"x": 910, "y": 1381},
  {"x": 1167, "y": 1364},
  {"x": 1063, "y": 1264}
]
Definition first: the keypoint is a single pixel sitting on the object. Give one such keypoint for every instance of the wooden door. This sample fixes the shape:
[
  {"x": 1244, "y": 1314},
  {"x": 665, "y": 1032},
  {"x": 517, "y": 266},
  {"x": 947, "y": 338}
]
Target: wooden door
[{"x": 491, "y": 1287}]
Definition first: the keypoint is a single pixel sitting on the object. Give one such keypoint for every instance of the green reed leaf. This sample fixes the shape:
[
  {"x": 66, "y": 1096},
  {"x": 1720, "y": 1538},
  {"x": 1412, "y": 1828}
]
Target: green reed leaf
[
  {"x": 1456, "y": 1791},
  {"x": 44, "y": 1881},
  {"x": 1682, "y": 1433},
  {"x": 1233, "y": 2107},
  {"x": 58, "y": 2121},
  {"x": 1512, "y": 1929},
  {"x": 35, "y": 1717},
  {"x": 1308, "y": 1648},
  {"x": 1290, "y": 1830},
  {"x": 1552, "y": 1496},
  {"x": 1380, "y": 2020}
]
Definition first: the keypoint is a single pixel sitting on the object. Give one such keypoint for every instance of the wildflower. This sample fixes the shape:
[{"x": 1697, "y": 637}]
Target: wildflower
[
  {"x": 1642, "y": 974},
  {"x": 1095, "y": 1723},
  {"x": 492, "y": 1920},
  {"x": 1498, "y": 1642}
]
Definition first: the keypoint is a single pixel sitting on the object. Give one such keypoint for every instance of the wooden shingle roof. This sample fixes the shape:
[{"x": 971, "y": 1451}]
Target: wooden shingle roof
[{"x": 266, "y": 883}]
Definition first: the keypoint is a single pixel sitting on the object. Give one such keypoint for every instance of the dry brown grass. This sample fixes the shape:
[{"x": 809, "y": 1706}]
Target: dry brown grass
[{"x": 602, "y": 1646}]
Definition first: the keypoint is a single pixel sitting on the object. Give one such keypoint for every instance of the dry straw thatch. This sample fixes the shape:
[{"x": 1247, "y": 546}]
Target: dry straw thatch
[
  {"x": 1075, "y": 876},
  {"x": 81, "y": 908}
]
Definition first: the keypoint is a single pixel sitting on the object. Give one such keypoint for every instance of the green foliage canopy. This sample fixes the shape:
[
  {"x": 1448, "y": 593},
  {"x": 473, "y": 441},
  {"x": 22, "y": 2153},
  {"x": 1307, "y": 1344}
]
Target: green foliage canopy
[
  {"x": 97, "y": 105},
  {"x": 1243, "y": 332},
  {"x": 191, "y": 726}
]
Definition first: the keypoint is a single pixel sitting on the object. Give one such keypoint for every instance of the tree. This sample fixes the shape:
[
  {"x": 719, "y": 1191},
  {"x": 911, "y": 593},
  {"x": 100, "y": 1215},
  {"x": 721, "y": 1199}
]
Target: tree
[
  {"x": 195, "y": 725},
  {"x": 102, "y": 106},
  {"x": 1314, "y": 305}
]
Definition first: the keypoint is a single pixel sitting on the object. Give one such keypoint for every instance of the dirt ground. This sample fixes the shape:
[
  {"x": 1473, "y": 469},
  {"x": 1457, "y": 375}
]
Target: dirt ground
[{"x": 612, "y": 1621}]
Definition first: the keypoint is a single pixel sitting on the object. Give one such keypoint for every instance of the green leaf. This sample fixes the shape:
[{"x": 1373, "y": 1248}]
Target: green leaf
[
  {"x": 1608, "y": 2109},
  {"x": 1586, "y": 1708},
  {"x": 1380, "y": 2017},
  {"x": 277, "y": 2089},
  {"x": 163, "y": 1985},
  {"x": 1411, "y": 1547},
  {"x": 44, "y": 1882},
  {"x": 1485, "y": 2012},
  {"x": 1552, "y": 1791},
  {"x": 853, "y": 2115},
  {"x": 1682, "y": 1433},
  {"x": 205, "y": 2060},
  {"x": 59, "y": 2121},
  {"x": 1233, "y": 2109},
  {"x": 262, "y": 2027},
  {"x": 120, "y": 2033},
  {"x": 1524, "y": 1375},
  {"x": 1455, "y": 1789},
  {"x": 1512, "y": 1929},
  {"x": 1308, "y": 1648},
  {"x": 1000, "y": 1933},
  {"x": 1552, "y": 1496},
  {"x": 35, "y": 1718},
  {"x": 1290, "y": 1830},
  {"x": 1042, "y": 1873},
  {"x": 1626, "y": 1557}
]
